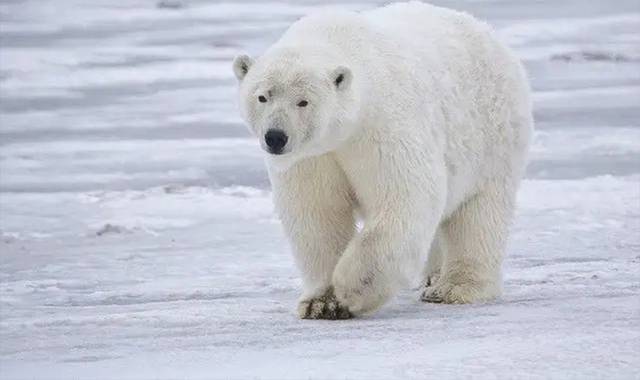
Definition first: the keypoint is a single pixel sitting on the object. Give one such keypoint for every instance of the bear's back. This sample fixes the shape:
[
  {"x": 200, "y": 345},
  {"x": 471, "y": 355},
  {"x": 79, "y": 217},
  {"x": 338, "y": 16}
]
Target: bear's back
[
  {"x": 414, "y": 30},
  {"x": 326, "y": 27}
]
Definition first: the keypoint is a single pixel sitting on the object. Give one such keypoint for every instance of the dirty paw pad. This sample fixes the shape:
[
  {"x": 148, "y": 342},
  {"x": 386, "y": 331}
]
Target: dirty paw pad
[{"x": 324, "y": 307}]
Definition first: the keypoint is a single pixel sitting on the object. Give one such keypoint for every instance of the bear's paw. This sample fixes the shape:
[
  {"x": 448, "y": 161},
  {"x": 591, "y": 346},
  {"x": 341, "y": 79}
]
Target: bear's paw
[{"x": 323, "y": 307}]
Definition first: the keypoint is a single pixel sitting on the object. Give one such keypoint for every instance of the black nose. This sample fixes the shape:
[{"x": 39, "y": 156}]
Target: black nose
[{"x": 276, "y": 140}]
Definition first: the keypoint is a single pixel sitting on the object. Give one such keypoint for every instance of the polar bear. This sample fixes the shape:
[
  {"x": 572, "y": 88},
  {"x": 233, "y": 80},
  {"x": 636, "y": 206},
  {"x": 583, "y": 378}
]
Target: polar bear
[{"x": 395, "y": 137}]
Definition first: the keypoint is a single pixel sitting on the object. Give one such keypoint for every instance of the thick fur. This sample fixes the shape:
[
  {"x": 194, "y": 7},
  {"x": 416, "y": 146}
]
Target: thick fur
[{"x": 418, "y": 123}]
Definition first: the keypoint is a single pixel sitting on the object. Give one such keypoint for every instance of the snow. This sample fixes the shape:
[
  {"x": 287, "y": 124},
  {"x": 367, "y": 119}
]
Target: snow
[{"x": 138, "y": 238}]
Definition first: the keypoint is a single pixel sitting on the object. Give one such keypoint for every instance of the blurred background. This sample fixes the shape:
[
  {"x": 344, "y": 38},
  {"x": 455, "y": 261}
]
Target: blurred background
[
  {"x": 128, "y": 95},
  {"x": 134, "y": 205}
]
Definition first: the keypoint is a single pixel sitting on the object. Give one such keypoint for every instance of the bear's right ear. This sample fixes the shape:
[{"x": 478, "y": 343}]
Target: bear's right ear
[{"x": 241, "y": 65}]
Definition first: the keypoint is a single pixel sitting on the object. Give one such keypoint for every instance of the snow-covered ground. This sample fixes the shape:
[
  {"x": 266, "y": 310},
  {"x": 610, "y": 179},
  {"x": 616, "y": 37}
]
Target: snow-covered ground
[{"x": 138, "y": 238}]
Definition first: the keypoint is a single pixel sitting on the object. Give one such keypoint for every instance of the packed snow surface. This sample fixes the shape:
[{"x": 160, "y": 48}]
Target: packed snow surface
[{"x": 137, "y": 234}]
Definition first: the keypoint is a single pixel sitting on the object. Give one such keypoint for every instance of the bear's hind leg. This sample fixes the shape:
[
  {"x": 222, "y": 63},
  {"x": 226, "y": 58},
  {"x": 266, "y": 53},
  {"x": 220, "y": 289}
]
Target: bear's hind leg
[{"x": 475, "y": 237}]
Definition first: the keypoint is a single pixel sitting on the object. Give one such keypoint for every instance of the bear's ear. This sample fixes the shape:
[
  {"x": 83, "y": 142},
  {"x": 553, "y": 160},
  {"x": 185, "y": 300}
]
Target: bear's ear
[
  {"x": 241, "y": 65},
  {"x": 341, "y": 77}
]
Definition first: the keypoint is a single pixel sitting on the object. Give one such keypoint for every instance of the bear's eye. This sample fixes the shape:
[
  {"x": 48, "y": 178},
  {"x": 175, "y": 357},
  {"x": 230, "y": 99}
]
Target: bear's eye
[
  {"x": 302, "y": 103},
  {"x": 262, "y": 99}
]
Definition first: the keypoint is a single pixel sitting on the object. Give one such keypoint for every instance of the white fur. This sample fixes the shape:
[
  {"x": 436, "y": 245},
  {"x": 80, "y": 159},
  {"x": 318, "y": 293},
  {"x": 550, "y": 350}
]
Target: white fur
[{"x": 426, "y": 141}]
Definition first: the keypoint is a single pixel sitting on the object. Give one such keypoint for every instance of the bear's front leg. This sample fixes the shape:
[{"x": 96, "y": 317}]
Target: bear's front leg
[
  {"x": 402, "y": 195},
  {"x": 315, "y": 205},
  {"x": 382, "y": 258},
  {"x": 387, "y": 253}
]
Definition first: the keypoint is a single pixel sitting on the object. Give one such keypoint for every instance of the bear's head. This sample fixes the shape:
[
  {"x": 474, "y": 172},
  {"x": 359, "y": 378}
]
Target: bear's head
[{"x": 297, "y": 103}]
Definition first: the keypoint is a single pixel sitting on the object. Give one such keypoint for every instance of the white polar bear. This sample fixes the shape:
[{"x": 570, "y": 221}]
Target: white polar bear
[{"x": 411, "y": 117}]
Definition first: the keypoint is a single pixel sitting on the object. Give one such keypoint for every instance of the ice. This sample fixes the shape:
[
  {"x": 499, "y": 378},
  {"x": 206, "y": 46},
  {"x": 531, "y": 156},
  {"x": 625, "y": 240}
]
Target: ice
[{"x": 138, "y": 238}]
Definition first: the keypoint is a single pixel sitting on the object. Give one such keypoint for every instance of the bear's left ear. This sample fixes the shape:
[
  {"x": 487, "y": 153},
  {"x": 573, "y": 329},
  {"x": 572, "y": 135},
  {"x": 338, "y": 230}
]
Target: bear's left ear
[
  {"x": 341, "y": 77},
  {"x": 241, "y": 65}
]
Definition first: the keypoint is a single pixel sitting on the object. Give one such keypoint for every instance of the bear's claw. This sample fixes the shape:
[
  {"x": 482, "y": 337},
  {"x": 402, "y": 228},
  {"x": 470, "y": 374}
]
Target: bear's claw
[
  {"x": 460, "y": 293},
  {"x": 323, "y": 307}
]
